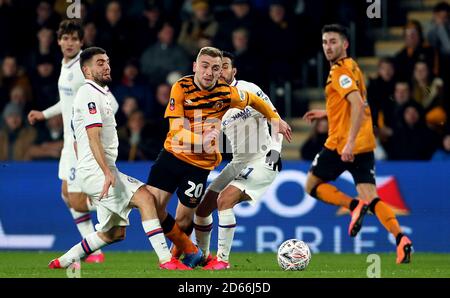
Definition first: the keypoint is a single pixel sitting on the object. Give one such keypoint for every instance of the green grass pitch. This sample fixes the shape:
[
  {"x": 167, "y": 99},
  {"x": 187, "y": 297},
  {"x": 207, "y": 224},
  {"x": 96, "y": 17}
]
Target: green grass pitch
[{"x": 250, "y": 265}]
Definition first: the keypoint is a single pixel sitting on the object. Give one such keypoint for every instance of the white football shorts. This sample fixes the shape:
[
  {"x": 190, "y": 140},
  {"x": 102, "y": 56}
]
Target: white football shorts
[
  {"x": 68, "y": 167},
  {"x": 113, "y": 209},
  {"x": 253, "y": 178}
]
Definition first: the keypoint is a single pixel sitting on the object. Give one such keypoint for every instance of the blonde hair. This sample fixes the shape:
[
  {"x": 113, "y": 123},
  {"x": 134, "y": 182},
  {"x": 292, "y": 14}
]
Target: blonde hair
[{"x": 210, "y": 51}]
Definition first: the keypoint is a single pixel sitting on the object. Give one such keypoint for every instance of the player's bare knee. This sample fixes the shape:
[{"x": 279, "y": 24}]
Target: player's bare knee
[
  {"x": 115, "y": 234},
  {"x": 119, "y": 234},
  {"x": 148, "y": 198},
  {"x": 207, "y": 205},
  {"x": 66, "y": 200},
  {"x": 308, "y": 188},
  {"x": 154, "y": 193},
  {"x": 229, "y": 197},
  {"x": 78, "y": 202},
  {"x": 184, "y": 220},
  {"x": 108, "y": 236},
  {"x": 367, "y": 197},
  {"x": 65, "y": 193},
  {"x": 160, "y": 209},
  {"x": 142, "y": 199},
  {"x": 366, "y": 192},
  {"x": 311, "y": 182},
  {"x": 184, "y": 223},
  {"x": 148, "y": 201},
  {"x": 223, "y": 203},
  {"x": 202, "y": 210}
]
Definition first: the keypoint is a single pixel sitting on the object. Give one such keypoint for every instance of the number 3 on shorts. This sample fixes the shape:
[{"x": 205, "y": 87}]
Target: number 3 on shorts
[
  {"x": 194, "y": 190},
  {"x": 72, "y": 174}
]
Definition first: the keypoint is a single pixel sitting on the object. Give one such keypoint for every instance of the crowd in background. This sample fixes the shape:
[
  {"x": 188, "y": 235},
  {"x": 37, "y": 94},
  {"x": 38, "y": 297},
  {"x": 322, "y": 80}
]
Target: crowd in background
[{"x": 152, "y": 43}]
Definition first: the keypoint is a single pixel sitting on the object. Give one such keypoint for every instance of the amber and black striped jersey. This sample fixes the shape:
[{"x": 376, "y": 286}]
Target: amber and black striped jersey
[
  {"x": 202, "y": 108},
  {"x": 346, "y": 77}
]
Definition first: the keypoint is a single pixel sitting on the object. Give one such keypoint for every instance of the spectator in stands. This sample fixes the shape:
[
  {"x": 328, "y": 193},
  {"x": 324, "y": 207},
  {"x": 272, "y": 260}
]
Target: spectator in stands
[
  {"x": 439, "y": 38},
  {"x": 113, "y": 35},
  {"x": 12, "y": 75},
  {"x": 316, "y": 140},
  {"x": 164, "y": 57},
  {"x": 45, "y": 48},
  {"x": 439, "y": 33},
  {"x": 15, "y": 137},
  {"x": 148, "y": 26},
  {"x": 162, "y": 97},
  {"x": 428, "y": 92},
  {"x": 198, "y": 31},
  {"x": 412, "y": 139},
  {"x": 415, "y": 49},
  {"x": 381, "y": 89},
  {"x": 46, "y": 16},
  {"x": 246, "y": 58},
  {"x": 90, "y": 35},
  {"x": 8, "y": 20},
  {"x": 128, "y": 105},
  {"x": 134, "y": 85},
  {"x": 280, "y": 49},
  {"x": 309, "y": 17},
  {"x": 49, "y": 141},
  {"x": 43, "y": 80},
  {"x": 443, "y": 152},
  {"x": 391, "y": 114},
  {"x": 242, "y": 16},
  {"x": 19, "y": 97},
  {"x": 84, "y": 12},
  {"x": 133, "y": 139},
  {"x": 159, "y": 126}
]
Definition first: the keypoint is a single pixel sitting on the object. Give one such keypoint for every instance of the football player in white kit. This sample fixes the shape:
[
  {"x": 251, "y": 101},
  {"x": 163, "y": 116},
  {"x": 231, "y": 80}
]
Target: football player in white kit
[
  {"x": 114, "y": 193},
  {"x": 255, "y": 164},
  {"x": 70, "y": 40}
]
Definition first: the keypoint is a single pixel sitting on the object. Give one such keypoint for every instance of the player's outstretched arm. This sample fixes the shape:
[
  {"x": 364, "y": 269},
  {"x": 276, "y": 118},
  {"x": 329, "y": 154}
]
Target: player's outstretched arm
[
  {"x": 279, "y": 126},
  {"x": 240, "y": 99},
  {"x": 35, "y": 116},
  {"x": 94, "y": 135},
  {"x": 50, "y": 112},
  {"x": 314, "y": 114}
]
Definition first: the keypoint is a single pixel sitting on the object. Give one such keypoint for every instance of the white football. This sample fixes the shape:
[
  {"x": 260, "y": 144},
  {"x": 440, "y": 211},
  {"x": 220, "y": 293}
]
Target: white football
[{"x": 293, "y": 255}]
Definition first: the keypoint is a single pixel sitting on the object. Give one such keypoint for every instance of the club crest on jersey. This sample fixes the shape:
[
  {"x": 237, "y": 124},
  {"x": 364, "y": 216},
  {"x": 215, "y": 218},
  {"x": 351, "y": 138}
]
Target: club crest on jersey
[
  {"x": 92, "y": 108},
  {"x": 218, "y": 105},
  {"x": 345, "y": 81},
  {"x": 172, "y": 104},
  {"x": 131, "y": 180},
  {"x": 241, "y": 95}
]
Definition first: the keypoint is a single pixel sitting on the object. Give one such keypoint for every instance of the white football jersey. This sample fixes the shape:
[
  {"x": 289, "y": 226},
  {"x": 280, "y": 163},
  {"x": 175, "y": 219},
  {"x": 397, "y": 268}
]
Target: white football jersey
[
  {"x": 247, "y": 130},
  {"x": 94, "y": 107},
  {"x": 70, "y": 80}
]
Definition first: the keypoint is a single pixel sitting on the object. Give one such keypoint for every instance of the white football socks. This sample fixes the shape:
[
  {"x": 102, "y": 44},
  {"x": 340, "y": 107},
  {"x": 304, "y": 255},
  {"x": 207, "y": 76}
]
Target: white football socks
[
  {"x": 84, "y": 224},
  {"x": 227, "y": 225},
  {"x": 155, "y": 234},
  {"x": 91, "y": 243},
  {"x": 203, "y": 227}
]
